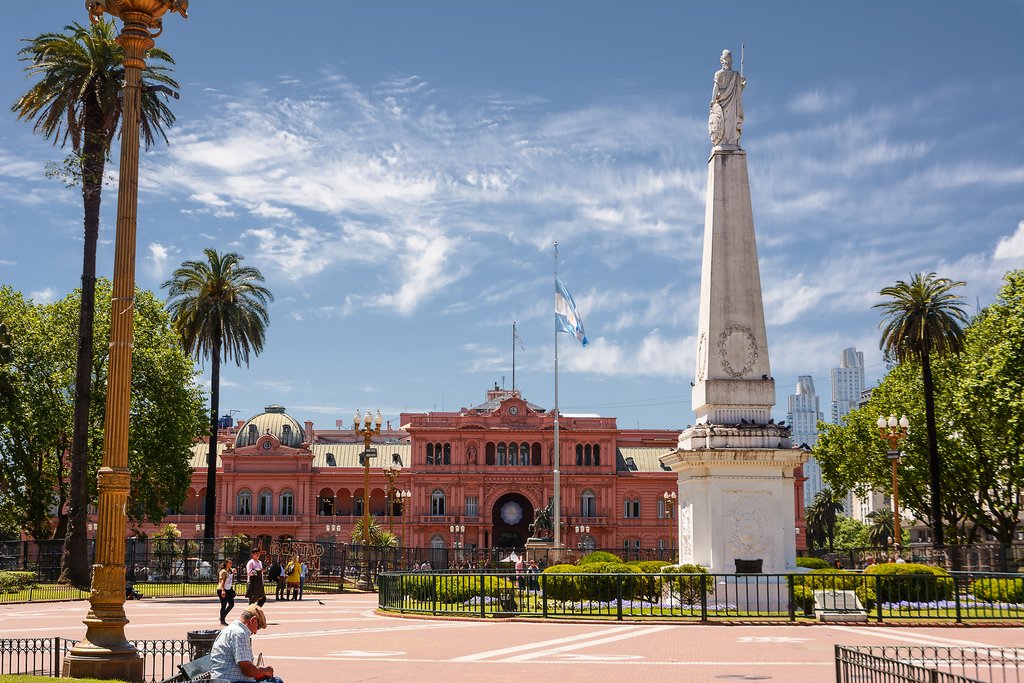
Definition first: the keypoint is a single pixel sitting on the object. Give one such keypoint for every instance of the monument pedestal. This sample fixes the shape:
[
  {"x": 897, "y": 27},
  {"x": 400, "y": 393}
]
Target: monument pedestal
[
  {"x": 545, "y": 547},
  {"x": 735, "y": 507}
]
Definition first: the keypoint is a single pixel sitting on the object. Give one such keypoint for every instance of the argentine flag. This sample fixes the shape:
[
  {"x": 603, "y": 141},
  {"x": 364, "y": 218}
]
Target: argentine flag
[{"x": 566, "y": 317}]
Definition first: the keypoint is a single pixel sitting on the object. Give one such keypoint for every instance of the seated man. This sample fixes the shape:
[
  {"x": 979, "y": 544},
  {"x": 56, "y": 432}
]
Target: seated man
[
  {"x": 130, "y": 593},
  {"x": 232, "y": 651}
]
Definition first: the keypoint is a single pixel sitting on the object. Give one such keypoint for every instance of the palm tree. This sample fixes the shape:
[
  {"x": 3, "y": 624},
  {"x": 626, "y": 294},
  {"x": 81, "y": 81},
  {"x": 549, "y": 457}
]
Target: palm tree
[
  {"x": 822, "y": 515},
  {"x": 880, "y": 528},
  {"x": 379, "y": 537},
  {"x": 76, "y": 99},
  {"x": 923, "y": 318},
  {"x": 219, "y": 309}
]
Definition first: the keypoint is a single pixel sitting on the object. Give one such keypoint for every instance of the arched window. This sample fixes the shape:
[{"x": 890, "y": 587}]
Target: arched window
[
  {"x": 447, "y": 454},
  {"x": 265, "y": 504},
  {"x": 597, "y": 455},
  {"x": 437, "y": 542},
  {"x": 489, "y": 453},
  {"x": 331, "y": 461},
  {"x": 579, "y": 455},
  {"x": 536, "y": 454},
  {"x": 244, "y": 504},
  {"x": 437, "y": 503},
  {"x": 513, "y": 454},
  {"x": 524, "y": 454},
  {"x": 586, "y": 455},
  {"x": 502, "y": 454},
  {"x": 430, "y": 454},
  {"x": 357, "y": 506},
  {"x": 588, "y": 504},
  {"x": 287, "y": 503}
]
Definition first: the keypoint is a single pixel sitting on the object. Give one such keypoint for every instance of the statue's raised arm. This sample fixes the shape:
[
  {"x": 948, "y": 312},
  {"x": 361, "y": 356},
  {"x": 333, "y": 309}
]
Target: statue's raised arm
[{"x": 725, "y": 120}]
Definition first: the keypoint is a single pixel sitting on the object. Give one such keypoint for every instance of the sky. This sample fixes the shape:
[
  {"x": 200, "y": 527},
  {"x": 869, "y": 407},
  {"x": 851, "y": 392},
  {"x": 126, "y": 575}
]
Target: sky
[{"x": 399, "y": 172}]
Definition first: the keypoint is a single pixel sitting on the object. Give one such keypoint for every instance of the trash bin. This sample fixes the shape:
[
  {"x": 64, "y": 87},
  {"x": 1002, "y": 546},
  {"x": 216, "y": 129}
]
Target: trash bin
[{"x": 201, "y": 642}]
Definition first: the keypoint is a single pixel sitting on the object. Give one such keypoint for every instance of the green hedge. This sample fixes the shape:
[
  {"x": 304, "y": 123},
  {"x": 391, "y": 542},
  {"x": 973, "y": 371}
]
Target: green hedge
[
  {"x": 12, "y": 582},
  {"x": 598, "y": 556},
  {"x": 812, "y": 563},
  {"x": 689, "y": 589},
  {"x": 559, "y": 587},
  {"x": 998, "y": 589},
  {"x": 649, "y": 587},
  {"x": 803, "y": 598},
  {"x": 910, "y": 582},
  {"x": 452, "y": 588},
  {"x": 592, "y": 582}
]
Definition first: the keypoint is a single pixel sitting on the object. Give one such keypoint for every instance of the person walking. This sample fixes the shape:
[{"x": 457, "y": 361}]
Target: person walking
[
  {"x": 293, "y": 572},
  {"x": 254, "y": 579},
  {"x": 276, "y": 574},
  {"x": 225, "y": 589},
  {"x": 303, "y": 573}
]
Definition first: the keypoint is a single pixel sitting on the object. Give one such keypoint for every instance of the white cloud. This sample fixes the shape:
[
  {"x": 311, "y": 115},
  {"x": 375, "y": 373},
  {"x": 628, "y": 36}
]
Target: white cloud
[
  {"x": 1011, "y": 247},
  {"x": 157, "y": 260},
  {"x": 46, "y": 295}
]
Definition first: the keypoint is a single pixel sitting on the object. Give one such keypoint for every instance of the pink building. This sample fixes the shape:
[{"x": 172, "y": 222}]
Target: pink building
[{"x": 482, "y": 470}]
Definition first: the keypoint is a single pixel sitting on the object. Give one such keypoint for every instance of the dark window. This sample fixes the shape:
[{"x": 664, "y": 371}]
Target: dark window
[
  {"x": 489, "y": 453},
  {"x": 447, "y": 454},
  {"x": 430, "y": 454},
  {"x": 502, "y": 454},
  {"x": 536, "y": 454},
  {"x": 597, "y": 455},
  {"x": 586, "y": 455},
  {"x": 524, "y": 454},
  {"x": 579, "y": 455},
  {"x": 331, "y": 462}
]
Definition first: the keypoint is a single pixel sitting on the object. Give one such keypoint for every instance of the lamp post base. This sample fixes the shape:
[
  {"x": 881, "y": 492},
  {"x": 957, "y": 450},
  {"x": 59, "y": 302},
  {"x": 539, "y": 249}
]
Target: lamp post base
[{"x": 104, "y": 653}]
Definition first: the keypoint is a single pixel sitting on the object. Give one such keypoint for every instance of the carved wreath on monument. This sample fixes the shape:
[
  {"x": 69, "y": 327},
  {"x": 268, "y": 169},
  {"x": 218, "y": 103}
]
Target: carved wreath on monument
[
  {"x": 748, "y": 538},
  {"x": 737, "y": 350}
]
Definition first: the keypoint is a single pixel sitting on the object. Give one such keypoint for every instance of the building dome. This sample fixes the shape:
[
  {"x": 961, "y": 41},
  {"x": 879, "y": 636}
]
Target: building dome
[{"x": 273, "y": 420}]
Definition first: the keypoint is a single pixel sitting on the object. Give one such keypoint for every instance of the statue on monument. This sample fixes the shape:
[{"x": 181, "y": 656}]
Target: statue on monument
[
  {"x": 725, "y": 121},
  {"x": 542, "y": 526}
]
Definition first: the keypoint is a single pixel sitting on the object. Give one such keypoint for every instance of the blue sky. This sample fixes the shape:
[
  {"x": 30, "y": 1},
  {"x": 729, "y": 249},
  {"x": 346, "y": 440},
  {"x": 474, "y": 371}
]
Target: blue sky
[{"x": 399, "y": 170}]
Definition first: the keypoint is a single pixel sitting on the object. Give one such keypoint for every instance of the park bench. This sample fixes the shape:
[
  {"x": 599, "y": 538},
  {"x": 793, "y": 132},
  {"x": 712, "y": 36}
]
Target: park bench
[{"x": 196, "y": 670}]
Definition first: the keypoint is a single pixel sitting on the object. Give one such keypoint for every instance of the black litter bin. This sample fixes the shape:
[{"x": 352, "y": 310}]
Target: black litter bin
[{"x": 201, "y": 642}]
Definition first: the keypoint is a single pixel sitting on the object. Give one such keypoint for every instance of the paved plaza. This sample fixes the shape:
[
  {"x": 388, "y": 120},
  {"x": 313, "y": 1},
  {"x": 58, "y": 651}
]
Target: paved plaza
[{"x": 343, "y": 639}]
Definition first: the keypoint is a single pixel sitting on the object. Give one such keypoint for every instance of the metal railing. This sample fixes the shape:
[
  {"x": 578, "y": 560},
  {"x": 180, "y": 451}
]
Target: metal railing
[
  {"x": 705, "y": 597},
  {"x": 45, "y": 656},
  {"x": 928, "y": 664}
]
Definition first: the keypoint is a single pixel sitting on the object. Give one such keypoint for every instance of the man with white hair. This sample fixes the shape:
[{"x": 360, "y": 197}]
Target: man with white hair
[{"x": 232, "y": 651}]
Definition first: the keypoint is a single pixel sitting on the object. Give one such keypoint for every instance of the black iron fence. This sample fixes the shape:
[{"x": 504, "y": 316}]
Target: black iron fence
[
  {"x": 959, "y": 596},
  {"x": 978, "y": 557},
  {"x": 45, "y": 656},
  {"x": 928, "y": 664}
]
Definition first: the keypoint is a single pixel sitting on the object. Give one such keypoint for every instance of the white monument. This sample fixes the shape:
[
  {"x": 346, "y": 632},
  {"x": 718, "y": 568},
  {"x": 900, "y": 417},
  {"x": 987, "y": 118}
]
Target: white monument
[{"x": 736, "y": 501}]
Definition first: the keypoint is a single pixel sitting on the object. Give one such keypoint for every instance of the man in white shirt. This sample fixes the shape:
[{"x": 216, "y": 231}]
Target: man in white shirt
[{"x": 232, "y": 651}]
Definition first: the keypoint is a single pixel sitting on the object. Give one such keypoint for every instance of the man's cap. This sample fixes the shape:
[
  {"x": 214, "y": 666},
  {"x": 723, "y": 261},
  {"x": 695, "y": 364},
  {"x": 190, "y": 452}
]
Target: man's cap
[{"x": 261, "y": 618}]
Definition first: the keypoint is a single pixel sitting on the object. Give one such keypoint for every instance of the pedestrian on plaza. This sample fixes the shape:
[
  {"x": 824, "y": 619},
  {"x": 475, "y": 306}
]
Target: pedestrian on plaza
[
  {"x": 303, "y": 574},
  {"x": 293, "y": 571},
  {"x": 520, "y": 573},
  {"x": 532, "y": 572},
  {"x": 232, "y": 650},
  {"x": 276, "y": 574},
  {"x": 254, "y": 579},
  {"x": 225, "y": 590}
]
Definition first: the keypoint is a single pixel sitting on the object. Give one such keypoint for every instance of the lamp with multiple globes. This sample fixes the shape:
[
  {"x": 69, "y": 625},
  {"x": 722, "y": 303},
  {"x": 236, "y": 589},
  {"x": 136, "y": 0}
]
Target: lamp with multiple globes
[
  {"x": 367, "y": 427},
  {"x": 894, "y": 431},
  {"x": 391, "y": 472}
]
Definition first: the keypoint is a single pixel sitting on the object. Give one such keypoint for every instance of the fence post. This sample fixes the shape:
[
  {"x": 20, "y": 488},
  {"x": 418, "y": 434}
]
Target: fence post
[
  {"x": 703, "y": 598},
  {"x": 434, "y": 580},
  {"x": 57, "y": 659},
  {"x": 483, "y": 595},
  {"x": 956, "y": 596},
  {"x": 878, "y": 597},
  {"x": 618, "y": 596},
  {"x": 544, "y": 594},
  {"x": 790, "y": 582}
]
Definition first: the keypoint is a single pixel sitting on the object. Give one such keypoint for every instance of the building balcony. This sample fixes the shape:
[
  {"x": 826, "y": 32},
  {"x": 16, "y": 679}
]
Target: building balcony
[
  {"x": 263, "y": 519},
  {"x": 437, "y": 519}
]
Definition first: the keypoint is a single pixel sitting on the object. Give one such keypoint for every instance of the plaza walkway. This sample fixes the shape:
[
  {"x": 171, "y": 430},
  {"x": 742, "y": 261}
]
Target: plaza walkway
[{"x": 344, "y": 640}]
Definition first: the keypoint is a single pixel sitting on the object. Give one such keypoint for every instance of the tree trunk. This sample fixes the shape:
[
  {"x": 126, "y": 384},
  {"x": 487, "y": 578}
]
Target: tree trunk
[
  {"x": 211, "y": 457},
  {"x": 75, "y": 558},
  {"x": 934, "y": 469}
]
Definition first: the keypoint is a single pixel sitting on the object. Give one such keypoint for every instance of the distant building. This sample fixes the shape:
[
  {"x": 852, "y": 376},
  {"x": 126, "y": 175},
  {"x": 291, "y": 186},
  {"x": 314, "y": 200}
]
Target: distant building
[
  {"x": 847, "y": 383},
  {"x": 802, "y": 418}
]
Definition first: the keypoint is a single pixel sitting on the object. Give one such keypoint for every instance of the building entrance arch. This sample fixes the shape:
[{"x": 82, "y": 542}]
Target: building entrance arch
[{"x": 511, "y": 516}]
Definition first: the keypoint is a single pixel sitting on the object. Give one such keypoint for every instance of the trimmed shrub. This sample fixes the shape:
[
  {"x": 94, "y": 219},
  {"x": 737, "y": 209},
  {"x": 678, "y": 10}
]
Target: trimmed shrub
[
  {"x": 999, "y": 589},
  {"x": 599, "y": 556},
  {"x": 12, "y": 582},
  {"x": 907, "y": 582},
  {"x": 691, "y": 587},
  {"x": 829, "y": 579},
  {"x": 453, "y": 588},
  {"x": 866, "y": 595},
  {"x": 595, "y": 586},
  {"x": 803, "y": 598},
  {"x": 649, "y": 587},
  {"x": 812, "y": 563},
  {"x": 420, "y": 588},
  {"x": 559, "y": 587}
]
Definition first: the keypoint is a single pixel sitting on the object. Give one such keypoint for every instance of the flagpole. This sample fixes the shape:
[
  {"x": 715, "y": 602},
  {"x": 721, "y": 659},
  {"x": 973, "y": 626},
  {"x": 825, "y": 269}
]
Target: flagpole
[
  {"x": 513, "y": 356},
  {"x": 558, "y": 493}
]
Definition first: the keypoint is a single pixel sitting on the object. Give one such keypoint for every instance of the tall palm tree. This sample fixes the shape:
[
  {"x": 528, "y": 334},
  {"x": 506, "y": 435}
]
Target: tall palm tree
[
  {"x": 219, "y": 309},
  {"x": 76, "y": 100},
  {"x": 923, "y": 318},
  {"x": 823, "y": 513},
  {"x": 880, "y": 528}
]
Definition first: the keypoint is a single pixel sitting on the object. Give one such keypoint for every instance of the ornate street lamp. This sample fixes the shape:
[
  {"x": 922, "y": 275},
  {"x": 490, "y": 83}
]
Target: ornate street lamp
[
  {"x": 391, "y": 472},
  {"x": 404, "y": 500},
  {"x": 368, "y": 430},
  {"x": 458, "y": 532},
  {"x": 670, "y": 498},
  {"x": 105, "y": 653},
  {"x": 581, "y": 529},
  {"x": 894, "y": 431}
]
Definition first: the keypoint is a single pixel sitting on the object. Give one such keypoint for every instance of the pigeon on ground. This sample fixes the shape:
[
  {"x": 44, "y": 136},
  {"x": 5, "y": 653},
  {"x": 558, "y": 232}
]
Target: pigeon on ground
[{"x": 320, "y": 601}]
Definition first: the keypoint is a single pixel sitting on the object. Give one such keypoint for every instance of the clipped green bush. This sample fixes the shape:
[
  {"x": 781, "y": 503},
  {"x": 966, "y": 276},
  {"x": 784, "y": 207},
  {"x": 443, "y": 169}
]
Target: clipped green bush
[
  {"x": 420, "y": 588},
  {"x": 999, "y": 589},
  {"x": 829, "y": 578},
  {"x": 12, "y": 582},
  {"x": 691, "y": 587},
  {"x": 557, "y": 586},
  {"x": 907, "y": 582},
  {"x": 599, "y": 556},
  {"x": 649, "y": 586},
  {"x": 866, "y": 594},
  {"x": 595, "y": 584},
  {"x": 803, "y": 599},
  {"x": 812, "y": 563}
]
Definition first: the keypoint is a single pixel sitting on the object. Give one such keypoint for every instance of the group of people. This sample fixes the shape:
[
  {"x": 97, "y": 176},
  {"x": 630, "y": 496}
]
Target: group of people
[
  {"x": 290, "y": 578},
  {"x": 232, "y": 650},
  {"x": 526, "y": 574}
]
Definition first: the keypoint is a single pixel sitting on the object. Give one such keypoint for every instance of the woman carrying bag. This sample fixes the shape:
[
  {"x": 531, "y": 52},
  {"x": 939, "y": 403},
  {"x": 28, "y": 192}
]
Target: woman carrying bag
[{"x": 225, "y": 589}]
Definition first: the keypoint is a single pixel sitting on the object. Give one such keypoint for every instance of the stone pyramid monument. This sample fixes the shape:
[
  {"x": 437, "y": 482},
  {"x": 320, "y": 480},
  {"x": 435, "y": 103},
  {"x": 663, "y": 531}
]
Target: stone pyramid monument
[{"x": 736, "y": 499}]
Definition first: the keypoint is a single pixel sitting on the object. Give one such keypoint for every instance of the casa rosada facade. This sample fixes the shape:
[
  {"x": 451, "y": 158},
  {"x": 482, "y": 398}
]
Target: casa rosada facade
[{"x": 483, "y": 471}]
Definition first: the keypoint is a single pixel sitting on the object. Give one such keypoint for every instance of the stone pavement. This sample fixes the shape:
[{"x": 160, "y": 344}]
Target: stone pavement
[{"x": 344, "y": 640}]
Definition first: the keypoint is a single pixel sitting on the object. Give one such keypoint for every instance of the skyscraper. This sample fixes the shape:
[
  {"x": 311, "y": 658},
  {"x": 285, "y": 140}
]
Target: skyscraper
[
  {"x": 802, "y": 418},
  {"x": 847, "y": 383}
]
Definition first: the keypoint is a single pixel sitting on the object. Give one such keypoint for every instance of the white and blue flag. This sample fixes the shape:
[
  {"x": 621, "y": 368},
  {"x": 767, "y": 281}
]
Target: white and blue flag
[{"x": 566, "y": 317}]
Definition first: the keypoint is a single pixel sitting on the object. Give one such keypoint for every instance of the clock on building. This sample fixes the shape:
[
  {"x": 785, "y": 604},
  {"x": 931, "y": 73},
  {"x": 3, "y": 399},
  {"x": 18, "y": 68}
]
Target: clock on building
[
  {"x": 266, "y": 445},
  {"x": 513, "y": 410}
]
